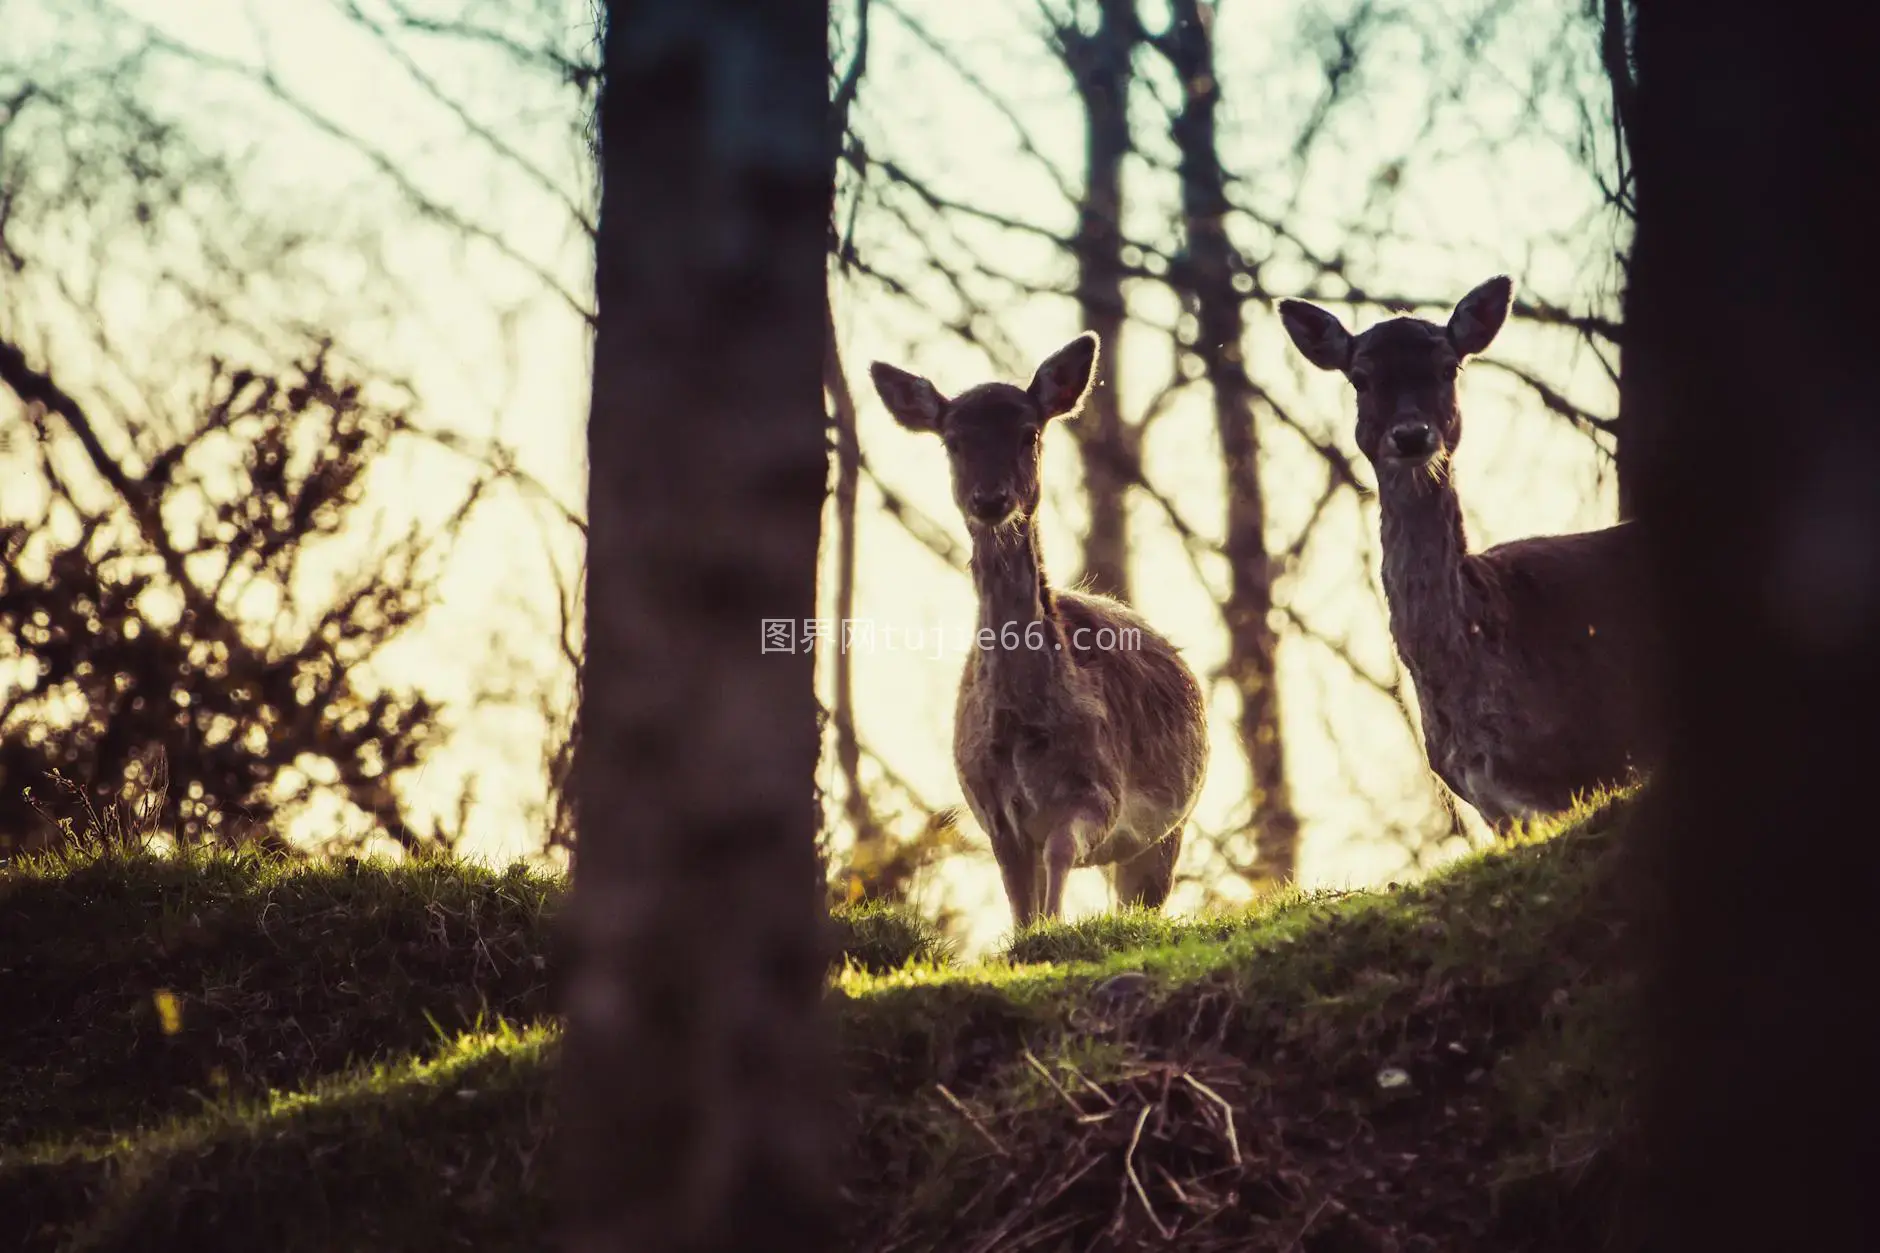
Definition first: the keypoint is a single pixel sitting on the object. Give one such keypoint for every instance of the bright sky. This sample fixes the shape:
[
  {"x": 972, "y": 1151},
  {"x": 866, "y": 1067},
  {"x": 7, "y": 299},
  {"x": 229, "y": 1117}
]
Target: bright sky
[{"x": 490, "y": 348}]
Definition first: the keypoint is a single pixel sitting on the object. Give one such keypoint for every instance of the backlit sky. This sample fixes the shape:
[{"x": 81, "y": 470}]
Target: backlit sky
[{"x": 1490, "y": 184}]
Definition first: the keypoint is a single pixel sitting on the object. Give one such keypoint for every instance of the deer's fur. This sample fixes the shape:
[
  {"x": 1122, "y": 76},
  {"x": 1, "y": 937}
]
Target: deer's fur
[
  {"x": 1525, "y": 656},
  {"x": 1080, "y": 735}
]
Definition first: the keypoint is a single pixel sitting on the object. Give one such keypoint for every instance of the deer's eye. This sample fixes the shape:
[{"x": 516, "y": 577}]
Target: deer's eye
[{"x": 1450, "y": 371}]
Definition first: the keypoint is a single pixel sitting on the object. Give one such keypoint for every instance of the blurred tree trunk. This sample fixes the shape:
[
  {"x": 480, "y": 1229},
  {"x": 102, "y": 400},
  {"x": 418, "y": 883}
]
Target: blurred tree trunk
[
  {"x": 1102, "y": 64},
  {"x": 1749, "y": 341},
  {"x": 1206, "y": 279},
  {"x": 693, "y": 1101}
]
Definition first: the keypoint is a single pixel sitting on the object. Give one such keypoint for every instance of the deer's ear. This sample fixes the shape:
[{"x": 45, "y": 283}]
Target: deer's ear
[
  {"x": 1319, "y": 336},
  {"x": 1479, "y": 315},
  {"x": 915, "y": 403},
  {"x": 1063, "y": 380}
]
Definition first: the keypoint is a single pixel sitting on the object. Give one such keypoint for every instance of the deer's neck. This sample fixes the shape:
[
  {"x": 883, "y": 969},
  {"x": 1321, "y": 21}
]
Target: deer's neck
[
  {"x": 1432, "y": 603},
  {"x": 1008, "y": 574}
]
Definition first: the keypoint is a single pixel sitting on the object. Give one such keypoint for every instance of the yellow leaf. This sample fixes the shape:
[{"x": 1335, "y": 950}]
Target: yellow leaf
[{"x": 169, "y": 1011}]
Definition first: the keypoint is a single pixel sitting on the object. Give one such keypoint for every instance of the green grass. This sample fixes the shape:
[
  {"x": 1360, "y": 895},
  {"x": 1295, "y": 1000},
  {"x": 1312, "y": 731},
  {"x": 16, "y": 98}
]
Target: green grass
[
  {"x": 275, "y": 972},
  {"x": 1090, "y": 939},
  {"x": 879, "y": 938},
  {"x": 1243, "y": 1069}
]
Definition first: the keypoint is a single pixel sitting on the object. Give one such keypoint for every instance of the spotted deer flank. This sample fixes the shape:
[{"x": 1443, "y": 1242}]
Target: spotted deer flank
[
  {"x": 1524, "y": 656},
  {"x": 1080, "y": 735}
]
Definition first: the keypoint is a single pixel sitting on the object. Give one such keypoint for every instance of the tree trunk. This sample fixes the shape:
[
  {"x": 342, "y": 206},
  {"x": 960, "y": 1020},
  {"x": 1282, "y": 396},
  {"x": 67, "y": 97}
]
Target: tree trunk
[
  {"x": 1749, "y": 341},
  {"x": 1616, "y": 57},
  {"x": 1102, "y": 66},
  {"x": 864, "y": 826},
  {"x": 695, "y": 1083},
  {"x": 1207, "y": 279}
]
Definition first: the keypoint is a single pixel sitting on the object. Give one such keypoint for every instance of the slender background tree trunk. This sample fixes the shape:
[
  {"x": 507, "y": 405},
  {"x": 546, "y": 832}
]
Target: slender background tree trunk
[
  {"x": 1616, "y": 55},
  {"x": 695, "y": 1077},
  {"x": 1759, "y": 491},
  {"x": 1207, "y": 280},
  {"x": 1102, "y": 65},
  {"x": 864, "y": 826}
]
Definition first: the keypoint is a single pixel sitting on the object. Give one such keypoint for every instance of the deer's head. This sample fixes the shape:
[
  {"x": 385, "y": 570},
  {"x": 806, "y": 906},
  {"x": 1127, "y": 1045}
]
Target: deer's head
[
  {"x": 1403, "y": 370},
  {"x": 992, "y": 431}
]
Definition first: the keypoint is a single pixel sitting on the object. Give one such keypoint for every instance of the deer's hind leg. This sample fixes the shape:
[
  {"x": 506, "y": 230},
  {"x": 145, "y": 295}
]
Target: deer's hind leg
[{"x": 1146, "y": 879}]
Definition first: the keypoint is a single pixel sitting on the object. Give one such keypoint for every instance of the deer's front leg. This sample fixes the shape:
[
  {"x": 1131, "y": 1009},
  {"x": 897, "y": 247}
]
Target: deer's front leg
[
  {"x": 1077, "y": 822},
  {"x": 1064, "y": 849},
  {"x": 1019, "y": 867},
  {"x": 1072, "y": 796}
]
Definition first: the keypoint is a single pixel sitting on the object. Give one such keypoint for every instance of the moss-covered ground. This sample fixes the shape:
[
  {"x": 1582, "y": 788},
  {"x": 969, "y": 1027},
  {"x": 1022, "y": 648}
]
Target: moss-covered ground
[{"x": 219, "y": 1053}]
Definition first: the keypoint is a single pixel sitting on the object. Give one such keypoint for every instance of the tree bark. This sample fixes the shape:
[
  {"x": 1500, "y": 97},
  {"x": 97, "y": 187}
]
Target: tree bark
[
  {"x": 1207, "y": 280},
  {"x": 865, "y": 827},
  {"x": 1750, "y": 343},
  {"x": 695, "y": 1074},
  {"x": 1616, "y": 57},
  {"x": 1102, "y": 66}
]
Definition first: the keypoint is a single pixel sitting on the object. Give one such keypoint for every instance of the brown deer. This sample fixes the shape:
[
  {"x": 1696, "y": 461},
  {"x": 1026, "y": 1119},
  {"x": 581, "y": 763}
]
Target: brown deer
[
  {"x": 1080, "y": 735},
  {"x": 1525, "y": 656}
]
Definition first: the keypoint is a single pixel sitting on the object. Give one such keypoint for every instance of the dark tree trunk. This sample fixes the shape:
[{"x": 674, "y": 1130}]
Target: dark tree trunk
[
  {"x": 695, "y": 1082},
  {"x": 1207, "y": 281},
  {"x": 1102, "y": 65},
  {"x": 1750, "y": 342}
]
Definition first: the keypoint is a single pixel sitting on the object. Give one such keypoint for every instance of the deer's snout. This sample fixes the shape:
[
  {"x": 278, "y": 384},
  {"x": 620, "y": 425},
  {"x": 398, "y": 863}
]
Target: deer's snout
[
  {"x": 1413, "y": 439},
  {"x": 991, "y": 506}
]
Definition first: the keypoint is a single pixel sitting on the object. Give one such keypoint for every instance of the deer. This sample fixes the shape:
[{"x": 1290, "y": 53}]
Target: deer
[
  {"x": 1526, "y": 657},
  {"x": 1071, "y": 751}
]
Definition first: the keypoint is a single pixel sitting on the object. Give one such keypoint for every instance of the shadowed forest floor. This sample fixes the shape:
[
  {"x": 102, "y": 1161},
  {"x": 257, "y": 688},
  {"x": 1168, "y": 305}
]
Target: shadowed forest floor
[{"x": 220, "y": 1054}]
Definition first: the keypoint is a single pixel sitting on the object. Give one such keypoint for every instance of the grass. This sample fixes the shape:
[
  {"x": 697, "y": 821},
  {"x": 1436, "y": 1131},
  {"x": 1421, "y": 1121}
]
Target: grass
[
  {"x": 143, "y": 987},
  {"x": 1433, "y": 1068}
]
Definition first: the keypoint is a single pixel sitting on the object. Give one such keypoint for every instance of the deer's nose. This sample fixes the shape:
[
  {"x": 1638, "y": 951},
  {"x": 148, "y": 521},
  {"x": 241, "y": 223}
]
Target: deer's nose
[
  {"x": 1413, "y": 439},
  {"x": 991, "y": 506}
]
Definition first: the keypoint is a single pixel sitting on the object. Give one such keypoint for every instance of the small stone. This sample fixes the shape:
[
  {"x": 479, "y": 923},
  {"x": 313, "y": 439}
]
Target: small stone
[
  {"x": 1119, "y": 988},
  {"x": 1392, "y": 1077}
]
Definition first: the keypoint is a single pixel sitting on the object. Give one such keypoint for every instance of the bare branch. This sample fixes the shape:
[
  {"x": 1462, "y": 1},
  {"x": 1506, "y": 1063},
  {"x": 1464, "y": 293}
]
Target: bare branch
[
  {"x": 966, "y": 75},
  {"x": 1557, "y": 403},
  {"x": 383, "y": 162}
]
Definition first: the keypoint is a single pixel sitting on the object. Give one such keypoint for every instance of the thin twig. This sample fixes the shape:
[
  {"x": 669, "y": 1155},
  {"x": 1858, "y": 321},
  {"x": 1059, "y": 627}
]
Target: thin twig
[
  {"x": 1129, "y": 1171},
  {"x": 1227, "y": 1112},
  {"x": 1084, "y": 1079},
  {"x": 1032, "y": 1060},
  {"x": 973, "y": 1119},
  {"x": 1300, "y": 1235}
]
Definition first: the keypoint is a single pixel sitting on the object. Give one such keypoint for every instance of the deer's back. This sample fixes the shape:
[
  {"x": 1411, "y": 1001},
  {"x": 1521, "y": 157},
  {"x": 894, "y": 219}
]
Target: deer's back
[
  {"x": 1153, "y": 701},
  {"x": 1552, "y": 701},
  {"x": 1567, "y": 600}
]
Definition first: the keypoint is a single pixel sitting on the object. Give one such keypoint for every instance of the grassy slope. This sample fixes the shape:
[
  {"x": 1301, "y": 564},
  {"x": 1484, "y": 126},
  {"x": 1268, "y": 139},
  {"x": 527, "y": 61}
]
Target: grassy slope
[{"x": 1420, "y": 1070}]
